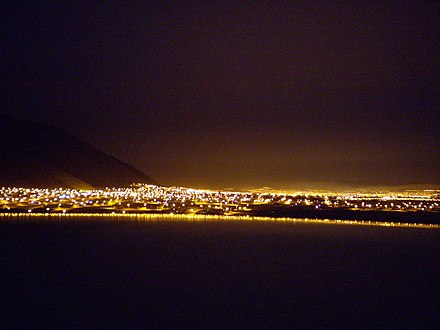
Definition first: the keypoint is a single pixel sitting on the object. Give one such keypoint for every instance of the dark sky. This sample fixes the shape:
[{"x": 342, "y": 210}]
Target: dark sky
[{"x": 286, "y": 94}]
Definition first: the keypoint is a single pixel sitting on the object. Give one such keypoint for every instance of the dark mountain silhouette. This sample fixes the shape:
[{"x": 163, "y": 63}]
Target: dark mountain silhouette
[{"x": 36, "y": 155}]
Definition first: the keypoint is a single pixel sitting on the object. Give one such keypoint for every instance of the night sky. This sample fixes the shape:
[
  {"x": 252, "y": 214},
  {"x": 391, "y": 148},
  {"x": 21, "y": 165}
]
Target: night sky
[{"x": 236, "y": 94}]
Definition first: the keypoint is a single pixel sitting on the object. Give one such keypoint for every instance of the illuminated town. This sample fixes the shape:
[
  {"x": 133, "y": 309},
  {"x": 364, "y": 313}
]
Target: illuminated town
[{"x": 418, "y": 206}]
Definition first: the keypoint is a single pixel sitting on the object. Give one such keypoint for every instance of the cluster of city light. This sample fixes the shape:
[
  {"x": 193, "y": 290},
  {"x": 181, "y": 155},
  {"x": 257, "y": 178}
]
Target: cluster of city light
[{"x": 142, "y": 198}]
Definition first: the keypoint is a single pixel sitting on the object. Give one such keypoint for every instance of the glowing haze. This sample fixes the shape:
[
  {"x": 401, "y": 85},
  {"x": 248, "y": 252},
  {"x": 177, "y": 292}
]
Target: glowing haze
[{"x": 291, "y": 94}]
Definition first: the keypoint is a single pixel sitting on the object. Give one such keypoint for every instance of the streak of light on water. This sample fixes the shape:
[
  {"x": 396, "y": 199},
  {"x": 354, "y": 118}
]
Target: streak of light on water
[{"x": 200, "y": 218}]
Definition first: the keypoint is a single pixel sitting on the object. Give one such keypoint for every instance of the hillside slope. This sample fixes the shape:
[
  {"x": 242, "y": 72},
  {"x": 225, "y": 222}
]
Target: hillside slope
[{"x": 36, "y": 155}]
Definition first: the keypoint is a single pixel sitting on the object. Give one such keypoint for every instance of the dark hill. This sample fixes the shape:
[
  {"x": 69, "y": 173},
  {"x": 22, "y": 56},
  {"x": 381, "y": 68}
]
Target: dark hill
[{"x": 36, "y": 155}]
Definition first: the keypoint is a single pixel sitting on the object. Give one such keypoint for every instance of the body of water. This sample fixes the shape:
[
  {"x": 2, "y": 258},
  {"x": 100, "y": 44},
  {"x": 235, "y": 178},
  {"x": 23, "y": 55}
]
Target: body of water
[{"x": 197, "y": 272}]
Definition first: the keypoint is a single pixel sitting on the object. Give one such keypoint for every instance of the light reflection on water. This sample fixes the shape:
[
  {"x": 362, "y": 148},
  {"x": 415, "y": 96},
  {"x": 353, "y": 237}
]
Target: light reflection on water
[{"x": 136, "y": 217}]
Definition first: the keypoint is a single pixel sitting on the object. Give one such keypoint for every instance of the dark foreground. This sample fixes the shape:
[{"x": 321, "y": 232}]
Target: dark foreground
[{"x": 216, "y": 274}]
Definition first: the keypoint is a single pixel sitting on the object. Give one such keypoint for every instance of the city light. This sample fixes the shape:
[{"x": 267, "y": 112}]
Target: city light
[{"x": 152, "y": 199}]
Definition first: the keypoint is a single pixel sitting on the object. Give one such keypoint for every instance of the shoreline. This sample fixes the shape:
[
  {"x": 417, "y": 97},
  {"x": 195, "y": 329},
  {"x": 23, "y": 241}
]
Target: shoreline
[{"x": 150, "y": 216}]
